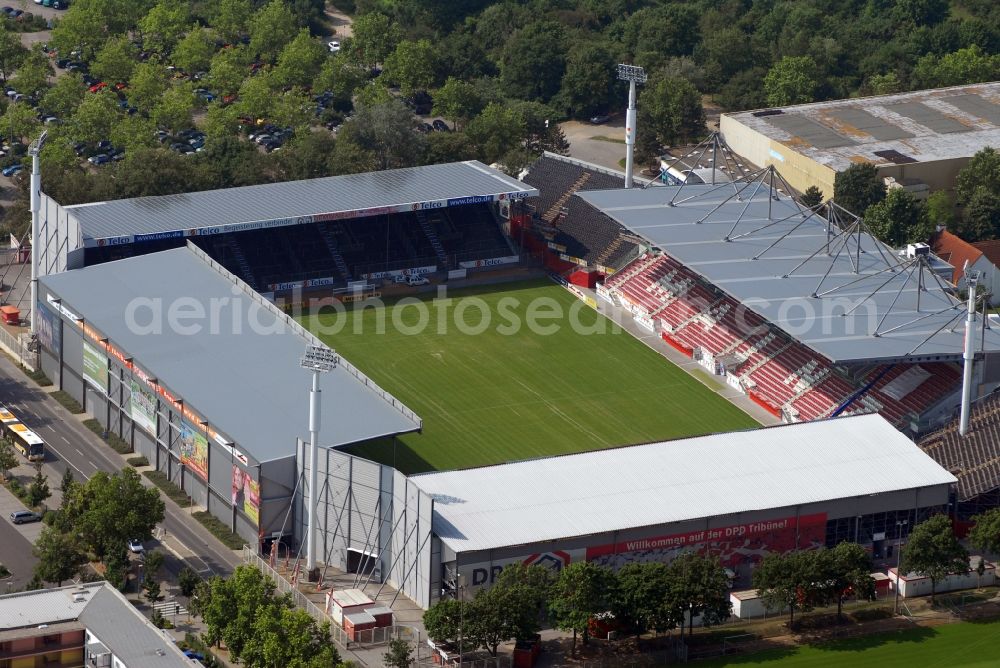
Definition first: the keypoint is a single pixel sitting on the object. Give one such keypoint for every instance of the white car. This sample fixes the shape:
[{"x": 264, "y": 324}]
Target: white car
[
  {"x": 333, "y": 45},
  {"x": 417, "y": 280},
  {"x": 135, "y": 546}
]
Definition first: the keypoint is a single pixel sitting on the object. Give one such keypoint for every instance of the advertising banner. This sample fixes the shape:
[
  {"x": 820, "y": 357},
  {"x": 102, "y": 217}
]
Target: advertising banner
[
  {"x": 484, "y": 574},
  {"x": 733, "y": 545},
  {"x": 491, "y": 262},
  {"x": 246, "y": 494},
  {"x": 95, "y": 367},
  {"x": 194, "y": 450},
  {"x": 142, "y": 407},
  {"x": 413, "y": 271},
  {"x": 47, "y": 328}
]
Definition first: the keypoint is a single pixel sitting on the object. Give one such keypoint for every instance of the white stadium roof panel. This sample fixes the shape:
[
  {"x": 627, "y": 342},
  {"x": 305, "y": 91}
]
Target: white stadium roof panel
[{"x": 674, "y": 481}]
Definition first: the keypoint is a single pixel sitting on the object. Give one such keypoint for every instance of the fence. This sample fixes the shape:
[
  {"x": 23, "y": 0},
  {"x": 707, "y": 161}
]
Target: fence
[
  {"x": 18, "y": 348},
  {"x": 370, "y": 637},
  {"x": 479, "y": 662}
]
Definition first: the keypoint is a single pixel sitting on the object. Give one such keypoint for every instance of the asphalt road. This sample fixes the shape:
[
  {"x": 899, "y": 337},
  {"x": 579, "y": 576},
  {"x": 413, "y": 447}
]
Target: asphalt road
[
  {"x": 70, "y": 444},
  {"x": 15, "y": 554}
]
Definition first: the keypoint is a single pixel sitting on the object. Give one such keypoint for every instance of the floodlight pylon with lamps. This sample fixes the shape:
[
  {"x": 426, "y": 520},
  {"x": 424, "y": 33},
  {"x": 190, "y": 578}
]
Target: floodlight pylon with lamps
[
  {"x": 633, "y": 74},
  {"x": 318, "y": 359},
  {"x": 36, "y": 189}
]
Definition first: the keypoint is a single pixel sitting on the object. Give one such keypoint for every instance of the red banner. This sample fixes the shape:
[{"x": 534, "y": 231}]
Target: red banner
[{"x": 733, "y": 545}]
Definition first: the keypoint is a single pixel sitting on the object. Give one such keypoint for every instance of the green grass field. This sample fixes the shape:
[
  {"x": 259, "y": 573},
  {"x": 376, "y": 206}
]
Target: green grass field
[
  {"x": 492, "y": 397},
  {"x": 963, "y": 645}
]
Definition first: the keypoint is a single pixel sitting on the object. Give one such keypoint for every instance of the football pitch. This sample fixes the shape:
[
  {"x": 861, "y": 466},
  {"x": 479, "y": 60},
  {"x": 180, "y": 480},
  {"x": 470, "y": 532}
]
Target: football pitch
[
  {"x": 517, "y": 371},
  {"x": 962, "y": 645}
]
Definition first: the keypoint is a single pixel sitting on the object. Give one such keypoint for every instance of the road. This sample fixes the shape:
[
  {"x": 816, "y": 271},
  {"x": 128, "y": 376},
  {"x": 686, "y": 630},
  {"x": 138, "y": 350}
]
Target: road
[{"x": 70, "y": 444}]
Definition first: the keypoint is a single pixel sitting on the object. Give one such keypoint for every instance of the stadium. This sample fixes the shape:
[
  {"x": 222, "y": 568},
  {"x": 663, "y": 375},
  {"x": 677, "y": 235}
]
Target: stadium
[{"x": 222, "y": 410}]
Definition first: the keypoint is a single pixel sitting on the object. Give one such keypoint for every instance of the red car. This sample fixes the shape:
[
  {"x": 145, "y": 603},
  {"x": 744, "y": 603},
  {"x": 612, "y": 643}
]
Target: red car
[{"x": 99, "y": 86}]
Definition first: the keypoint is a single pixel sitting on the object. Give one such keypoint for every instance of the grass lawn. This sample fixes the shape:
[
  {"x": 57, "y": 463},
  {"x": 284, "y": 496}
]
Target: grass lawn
[
  {"x": 963, "y": 645},
  {"x": 492, "y": 397}
]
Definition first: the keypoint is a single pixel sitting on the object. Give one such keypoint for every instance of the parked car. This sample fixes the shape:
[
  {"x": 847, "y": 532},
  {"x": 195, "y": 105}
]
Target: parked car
[
  {"x": 104, "y": 145},
  {"x": 99, "y": 159},
  {"x": 135, "y": 546},
  {"x": 425, "y": 127},
  {"x": 12, "y": 169},
  {"x": 97, "y": 87},
  {"x": 440, "y": 125},
  {"x": 191, "y": 654},
  {"x": 599, "y": 119},
  {"x": 333, "y": 45},
  {"x": 24, "y": 516}
]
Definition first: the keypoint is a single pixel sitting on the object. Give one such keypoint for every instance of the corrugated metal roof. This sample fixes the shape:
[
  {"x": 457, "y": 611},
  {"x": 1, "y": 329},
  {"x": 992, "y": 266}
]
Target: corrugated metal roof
[
  {"x": 44, "y": 606},
  {"x": 241, "y": 370},
  {"x": 292, "y": 199},
  {"x": 774, "y": 264},
  {"x": 675, "y": 481}
]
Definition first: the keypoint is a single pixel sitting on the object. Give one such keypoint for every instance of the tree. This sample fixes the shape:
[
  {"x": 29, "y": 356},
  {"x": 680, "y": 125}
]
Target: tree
[
  {"x": 885, "y": 84},
  {"x": 511, "y": 608},
  {"x": 448, "y": 147},
  {"x": 152, "y": 589},
  {"x": 582, "y": 590},
  {"x": 230, "y": 607},
  {"x": 934, "y": 552},
  {"x": 232, "y": 18},
  {"x": 399, "y": 655},
  {"x": 985, "y": 532},
  {"x": 672, "y": 109},
  {"x": 8, "y": 457},
  {"x": 188, "y": 581},
  {"x": 286, "y": 636},
  {"x": 457, "y": 101},
  {"x": 811, "y": 197},
  {"x": 899, "y": 219},
  {"x": 788, "y": 580},
  {"x": 60, "y": 556},
  {"x": 940, "y": 209},
  {"x": 307, "y": 156},
  {"x": 341, "y": 77},
  {"x": 115, "y": 61},
  {"x": 412, "y": 66},
  {"x": 388, "y": 131},
  {"x": 194, "y": 52},
  {"x": 12, "y": 52},
  {"x": 443, "y": 620},
  {"x": 271, "y": 28},
  {"x": 375, "y": 37},
  {"x": 982, "y": 172},
  {"x": 65, "y": 95},
  {"x": 496, "y": 131},
  {"x": 850, "y": 574},
  {"x": 641, "y": 598},
  {"x": 164, "y": 24},
  {"x": 699, "y": 586},
  {"x": 256, "y": 98},
  {"x": 133, "y": 132},
  {"x": 294, "y": 108},
  {"x": 153, "y": 562},
  {"x": 792, "y": 80},
  {"x": 227, "y": 71},
  {"x": 38, "y": 490},
  {"x": 533, "y": 61},
  {"x": 33, "y": 75},
  {"x": 858, "y": 187},
  {"x": 300, "y": 61},
  {"x": 110, "y": 509},
  {"x": 176, "y": 108},
  {"x": 146, "y": 86},
  {"x": 981, "y": 216},
  {"x": 20, "y": 120},
  {"x": 589, "y": 85}
]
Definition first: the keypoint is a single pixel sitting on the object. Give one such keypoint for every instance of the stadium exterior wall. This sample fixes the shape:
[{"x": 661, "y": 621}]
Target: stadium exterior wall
[{"x": 250, "y": 497}]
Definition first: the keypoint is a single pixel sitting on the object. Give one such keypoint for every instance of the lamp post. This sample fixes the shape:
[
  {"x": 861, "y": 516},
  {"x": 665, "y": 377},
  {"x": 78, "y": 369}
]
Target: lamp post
[
  {"x": 899, "y": 550},
  {"x": 36, "y": 189},
  {"x": 968, "y": 354},
  {"x": 318, "y": 359},
  {"x": 633, "y": 74}
]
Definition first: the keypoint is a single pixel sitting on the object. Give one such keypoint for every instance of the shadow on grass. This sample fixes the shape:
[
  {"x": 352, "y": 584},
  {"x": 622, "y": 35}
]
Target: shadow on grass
[{"x": 868, "y": 642}]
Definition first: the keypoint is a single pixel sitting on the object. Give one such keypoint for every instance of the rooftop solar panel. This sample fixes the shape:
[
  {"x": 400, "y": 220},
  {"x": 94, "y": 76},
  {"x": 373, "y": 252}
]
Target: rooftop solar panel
[
  {"x": 976, "y": 105},
  {"x": 929, "y": 117},
  {"x": 869, "y": 124},
  {"x": 809, "y": 131}
]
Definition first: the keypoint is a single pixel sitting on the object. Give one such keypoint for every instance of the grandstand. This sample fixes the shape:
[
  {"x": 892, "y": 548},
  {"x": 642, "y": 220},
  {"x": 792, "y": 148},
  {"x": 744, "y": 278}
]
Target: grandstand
[
  {"x": 316, "y": 233},
  {"x": 809, "y": 316}
]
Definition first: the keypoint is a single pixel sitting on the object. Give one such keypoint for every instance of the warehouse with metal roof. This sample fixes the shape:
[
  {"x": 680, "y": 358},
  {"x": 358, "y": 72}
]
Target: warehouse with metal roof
[
  {"x": 202, "y": 376},
  {"x": 921, "y": 139}
]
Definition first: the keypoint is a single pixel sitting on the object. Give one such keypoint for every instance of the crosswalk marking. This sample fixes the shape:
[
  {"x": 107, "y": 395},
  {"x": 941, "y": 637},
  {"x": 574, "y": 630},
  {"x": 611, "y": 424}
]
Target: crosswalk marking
[{"x": 169, "y": 608}]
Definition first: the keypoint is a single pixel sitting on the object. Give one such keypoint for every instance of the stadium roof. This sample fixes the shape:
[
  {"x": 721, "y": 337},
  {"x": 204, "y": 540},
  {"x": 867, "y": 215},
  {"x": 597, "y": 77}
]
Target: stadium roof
[
  {"x": 975, "y": 457},
  {"x": 921, "y": 126},
  {"x": 836, "y": 289},
  {"x": 660, "y": 483},
  {"x": 293, "y": 202},
  {"x": 240, "y": 369}
]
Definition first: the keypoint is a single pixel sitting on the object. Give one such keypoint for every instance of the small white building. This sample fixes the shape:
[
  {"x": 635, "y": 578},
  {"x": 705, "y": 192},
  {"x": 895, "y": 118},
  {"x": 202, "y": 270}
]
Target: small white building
[
  {"x": 748, "y": 605},
  {"x": 918, "y": 585}
]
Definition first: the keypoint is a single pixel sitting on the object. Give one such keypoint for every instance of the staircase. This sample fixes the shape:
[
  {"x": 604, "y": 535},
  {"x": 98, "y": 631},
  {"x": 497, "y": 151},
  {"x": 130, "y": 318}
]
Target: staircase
[
  {"x": 428, "y": 228},
  {"x": 241, "y": 261},
  {"x": 331, "y": 245},
  {"x": 609, "y": 251},
  {"x": 553, "y": 212}
]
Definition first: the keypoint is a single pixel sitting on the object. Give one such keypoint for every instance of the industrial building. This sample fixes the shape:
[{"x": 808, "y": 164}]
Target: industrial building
[
  {"x": 89, "y": 624},
  {"x": 202, "y": 376},
  {"x": 738, "y": 495},
  {"x": 919, "y": 139}
]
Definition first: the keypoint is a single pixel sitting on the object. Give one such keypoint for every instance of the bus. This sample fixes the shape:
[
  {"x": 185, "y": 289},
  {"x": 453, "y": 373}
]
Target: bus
[{"x": 27, "y": 442}]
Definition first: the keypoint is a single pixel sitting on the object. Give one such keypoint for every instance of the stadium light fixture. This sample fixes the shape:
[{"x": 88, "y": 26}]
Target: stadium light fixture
[
  {"x": 36, "y": 188},
  {"x": 633, "y": 74},
  {"x": 318, "y": 359},
  {"x": 968, "y": 354}
]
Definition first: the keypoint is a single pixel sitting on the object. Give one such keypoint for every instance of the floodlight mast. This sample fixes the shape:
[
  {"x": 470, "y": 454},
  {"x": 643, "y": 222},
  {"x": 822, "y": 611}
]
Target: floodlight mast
[
  {"x": 36, "y": 189},
  {"x": 968, "y": 356},
  {"x": 318, "y": 359},
  {"x": 633, "y": 74}
]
